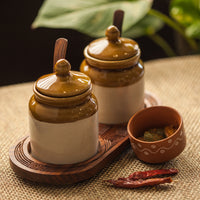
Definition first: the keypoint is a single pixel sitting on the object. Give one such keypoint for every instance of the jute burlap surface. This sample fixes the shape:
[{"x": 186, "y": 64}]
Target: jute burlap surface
[{"x": 175, "y": 81}]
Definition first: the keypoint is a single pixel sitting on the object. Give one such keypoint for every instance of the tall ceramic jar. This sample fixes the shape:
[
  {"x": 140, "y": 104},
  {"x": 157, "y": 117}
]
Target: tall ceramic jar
[
  {"x": 117, "y": 73},
  {"x": 63, "y": 117}
]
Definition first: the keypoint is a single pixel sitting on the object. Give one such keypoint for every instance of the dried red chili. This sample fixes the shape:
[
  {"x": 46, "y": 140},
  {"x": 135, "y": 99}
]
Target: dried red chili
[
  {"x": 152, "y": 173},
  {"x": 144, "y": 178},
  {"x": 139, "y": 183}
]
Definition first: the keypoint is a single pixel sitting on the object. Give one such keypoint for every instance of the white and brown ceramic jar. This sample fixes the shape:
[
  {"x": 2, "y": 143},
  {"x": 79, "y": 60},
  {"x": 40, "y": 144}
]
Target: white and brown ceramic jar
[
  {"x": 63, "y": 117},
  {"x": 117, "y": 73}
]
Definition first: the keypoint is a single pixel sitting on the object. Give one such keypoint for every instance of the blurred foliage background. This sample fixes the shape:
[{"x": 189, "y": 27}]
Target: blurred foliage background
[{"x": 29, "y": 30}]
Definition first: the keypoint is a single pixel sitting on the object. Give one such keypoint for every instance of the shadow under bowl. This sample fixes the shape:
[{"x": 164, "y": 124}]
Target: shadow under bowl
[{"x": 161, "y": 150}]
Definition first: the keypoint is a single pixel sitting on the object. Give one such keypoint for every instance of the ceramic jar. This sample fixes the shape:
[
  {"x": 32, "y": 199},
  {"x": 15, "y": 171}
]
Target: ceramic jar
[
  {"x": 63, "y": 117},
  {"x": 117, "y": 73}
]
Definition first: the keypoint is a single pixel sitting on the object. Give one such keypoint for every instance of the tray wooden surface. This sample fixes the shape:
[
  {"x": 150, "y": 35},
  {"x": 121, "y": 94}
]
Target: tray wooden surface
[{"x": 113, "y": 139}]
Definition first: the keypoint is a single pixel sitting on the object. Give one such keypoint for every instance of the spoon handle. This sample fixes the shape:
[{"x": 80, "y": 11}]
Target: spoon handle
[
  {"x": 118, "y": 19},
  {"x": 60, "y": 49}
]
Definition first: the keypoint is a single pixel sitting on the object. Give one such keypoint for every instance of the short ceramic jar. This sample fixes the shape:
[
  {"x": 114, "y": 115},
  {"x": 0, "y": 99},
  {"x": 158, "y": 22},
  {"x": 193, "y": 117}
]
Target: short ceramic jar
[
  {"x": 117, "y": 73},
  {"x": 63, "y": 117}
]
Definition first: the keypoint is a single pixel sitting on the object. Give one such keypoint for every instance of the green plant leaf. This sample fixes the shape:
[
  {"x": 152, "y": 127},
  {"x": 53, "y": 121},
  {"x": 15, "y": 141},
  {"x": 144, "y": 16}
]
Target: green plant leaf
[
  {"x": 146, "y": 26},
  {"x": 91, "y": 17},
  {"x": 193, "y": 31},
  {"x": 187, "y": 13}
]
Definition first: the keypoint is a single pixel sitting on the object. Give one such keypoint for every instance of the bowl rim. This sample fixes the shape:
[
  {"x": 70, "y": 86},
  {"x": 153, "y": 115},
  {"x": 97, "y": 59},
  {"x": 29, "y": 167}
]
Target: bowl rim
[{"x": 150, "y": 108}]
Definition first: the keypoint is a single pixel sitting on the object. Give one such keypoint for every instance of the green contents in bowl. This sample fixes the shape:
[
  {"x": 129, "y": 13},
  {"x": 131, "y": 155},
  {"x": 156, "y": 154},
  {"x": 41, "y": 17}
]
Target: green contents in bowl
[{"x": 155, "y": 134}]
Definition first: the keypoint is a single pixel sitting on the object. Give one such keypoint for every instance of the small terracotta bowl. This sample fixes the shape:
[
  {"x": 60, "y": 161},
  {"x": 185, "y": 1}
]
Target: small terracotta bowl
[{"x": 161, "y": 150}]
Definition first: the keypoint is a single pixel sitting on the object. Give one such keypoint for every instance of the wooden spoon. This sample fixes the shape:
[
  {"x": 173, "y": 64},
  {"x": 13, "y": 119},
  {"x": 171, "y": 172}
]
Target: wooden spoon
[
  {"x": 60, "y": 49},
  {"x": 118, "y": 19}
]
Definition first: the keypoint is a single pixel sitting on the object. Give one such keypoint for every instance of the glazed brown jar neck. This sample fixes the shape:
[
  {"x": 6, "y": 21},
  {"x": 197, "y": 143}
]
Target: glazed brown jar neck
[
  {"x": 113, "y": 78},
  {"x": 62, "y": 110},
  {"x": 54, "y": 114}
]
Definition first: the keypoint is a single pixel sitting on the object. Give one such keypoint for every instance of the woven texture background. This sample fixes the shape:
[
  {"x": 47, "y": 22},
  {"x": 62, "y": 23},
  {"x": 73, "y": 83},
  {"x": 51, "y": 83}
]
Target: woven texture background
[{"x": 176, "y": 82}]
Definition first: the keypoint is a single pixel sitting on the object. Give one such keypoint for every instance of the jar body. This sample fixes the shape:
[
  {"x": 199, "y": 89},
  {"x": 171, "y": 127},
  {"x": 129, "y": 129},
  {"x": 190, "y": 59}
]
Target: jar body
[
  {"x": 120, "y": 93},
  {"x": 118, "y": 104},
  {"x": 58, "y": 135}
]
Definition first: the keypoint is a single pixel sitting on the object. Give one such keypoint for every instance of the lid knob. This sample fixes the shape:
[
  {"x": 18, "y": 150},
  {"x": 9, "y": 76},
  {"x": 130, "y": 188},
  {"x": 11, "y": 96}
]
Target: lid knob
[
  {"x": 112, "y": 33},
  {"x": 62, "y": 67}
]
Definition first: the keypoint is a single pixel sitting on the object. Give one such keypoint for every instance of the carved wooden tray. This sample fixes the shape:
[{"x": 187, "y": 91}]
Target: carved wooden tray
[{"x": 113, "y": 139}]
